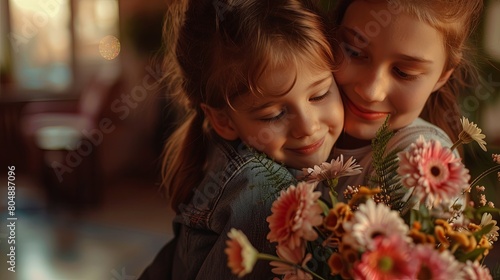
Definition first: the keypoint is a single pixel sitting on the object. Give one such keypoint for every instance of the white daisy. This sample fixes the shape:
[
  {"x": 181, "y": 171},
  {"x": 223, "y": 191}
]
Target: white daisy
[
  {"x": 372, "y": 220},
  {"x": 470, "y": 132},
  {"x": 475, "y": 271},
  {"x": 333, "y": 169},
  {"x": 487, "y": 219}
]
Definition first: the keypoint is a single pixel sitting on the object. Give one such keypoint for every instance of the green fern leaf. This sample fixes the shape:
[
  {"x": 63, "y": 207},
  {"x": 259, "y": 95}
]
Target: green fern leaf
[
  {"x": 277, "y": 176},
  {"x": 385, "y": 176}
]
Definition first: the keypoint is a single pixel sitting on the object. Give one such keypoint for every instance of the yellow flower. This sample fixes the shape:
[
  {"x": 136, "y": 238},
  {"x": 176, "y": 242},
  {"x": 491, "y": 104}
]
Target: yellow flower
[
  {"x": 441, "y": 235},
  {"x": 470, "y": 132},
  {"x": 336, "y": 217},
  {"x": 461, "y": 238},
  {"x": 336, "y": 263}
]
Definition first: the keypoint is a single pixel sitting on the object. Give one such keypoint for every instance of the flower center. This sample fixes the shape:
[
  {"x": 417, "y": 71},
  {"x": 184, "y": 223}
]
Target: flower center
[
  {"x": 424, "y": 273},
  {"x": 385, "y": 264},
  {"x": 435, "y": 171}
]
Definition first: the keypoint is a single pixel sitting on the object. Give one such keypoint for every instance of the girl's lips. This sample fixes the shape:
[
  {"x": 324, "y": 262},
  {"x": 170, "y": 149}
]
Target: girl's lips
[
  {"x": 364, "y": 114},
  {"x": 309, "y": 149}
]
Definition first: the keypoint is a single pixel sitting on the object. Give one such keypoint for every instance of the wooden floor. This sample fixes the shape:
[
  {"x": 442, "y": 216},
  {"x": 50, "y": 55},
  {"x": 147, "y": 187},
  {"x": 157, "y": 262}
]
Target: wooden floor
[{"x": 115, "y": 239}]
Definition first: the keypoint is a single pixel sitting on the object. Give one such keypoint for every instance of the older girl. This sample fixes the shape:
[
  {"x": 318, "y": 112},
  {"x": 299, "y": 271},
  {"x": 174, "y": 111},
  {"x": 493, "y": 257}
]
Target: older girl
[{"x": 405, "y": 58}]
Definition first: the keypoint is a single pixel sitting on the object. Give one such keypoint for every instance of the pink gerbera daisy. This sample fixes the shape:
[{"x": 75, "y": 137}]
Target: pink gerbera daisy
[
  {"x": 240, "y": 253},
  {"x": 389, "y": 259},
  {"x": 476, "y": 271},
  {"x": 432, "y": 264},
  {"x": 294, "y": 215},
  {"x": 437, "y": 175},
  {"x": 295, "y": 256}
]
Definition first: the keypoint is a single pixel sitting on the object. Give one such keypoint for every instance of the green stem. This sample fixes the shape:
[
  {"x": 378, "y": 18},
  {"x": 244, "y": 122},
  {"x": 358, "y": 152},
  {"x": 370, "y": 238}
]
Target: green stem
[
  {"x": 484, "y": 174},
  {"x": 454, "y": 248},
  {"x": 267, "y": 257},
  {"x": 324, "y": 207},
  {"x": 333, "y": 197},
  {"x": 332, "y": 183},
  {"x": 456, "y": 144}
]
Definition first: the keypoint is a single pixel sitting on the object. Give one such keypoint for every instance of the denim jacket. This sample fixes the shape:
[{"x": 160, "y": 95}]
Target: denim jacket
[{"x": 236, "y": 192}]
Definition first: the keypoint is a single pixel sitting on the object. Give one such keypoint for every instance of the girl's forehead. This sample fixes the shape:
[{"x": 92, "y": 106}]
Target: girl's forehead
[
  {"x": 371, "y": 23},
  {"x": 278, "y": 78},
  {"x": 276, "y": 83}
]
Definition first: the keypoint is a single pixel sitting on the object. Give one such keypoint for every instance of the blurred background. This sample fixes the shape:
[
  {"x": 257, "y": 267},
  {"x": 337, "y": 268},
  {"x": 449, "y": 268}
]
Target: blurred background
[{"x": 83, "y": 122}]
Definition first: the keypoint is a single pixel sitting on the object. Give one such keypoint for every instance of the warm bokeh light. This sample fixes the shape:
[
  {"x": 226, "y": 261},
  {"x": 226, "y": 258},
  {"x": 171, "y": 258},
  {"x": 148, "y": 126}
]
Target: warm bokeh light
[{"x": 109, "y": 47}]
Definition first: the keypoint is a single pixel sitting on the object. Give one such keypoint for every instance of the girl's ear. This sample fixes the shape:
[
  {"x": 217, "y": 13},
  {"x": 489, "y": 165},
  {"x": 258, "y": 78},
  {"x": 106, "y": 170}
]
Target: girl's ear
[
  {"x": 220, "y": 122},
  {"x": 444, "y": 78}
]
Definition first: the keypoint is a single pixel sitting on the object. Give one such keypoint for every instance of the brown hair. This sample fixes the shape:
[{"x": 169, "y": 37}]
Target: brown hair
[
  {"x": 456, "y": 20},
  {"x": 215, "y": 51}
]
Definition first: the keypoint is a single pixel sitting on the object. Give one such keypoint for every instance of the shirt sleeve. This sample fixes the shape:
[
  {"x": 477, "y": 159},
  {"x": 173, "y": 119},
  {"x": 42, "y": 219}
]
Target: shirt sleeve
[{"x": 245, "y": 205}]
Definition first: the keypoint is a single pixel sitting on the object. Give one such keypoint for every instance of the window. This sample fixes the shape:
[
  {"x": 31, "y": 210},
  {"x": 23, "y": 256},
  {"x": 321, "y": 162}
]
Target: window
[
  {"x": 96, "y": 29},
  {"x": 40, "y": 39},
  {"x": 51, "y": 44}
]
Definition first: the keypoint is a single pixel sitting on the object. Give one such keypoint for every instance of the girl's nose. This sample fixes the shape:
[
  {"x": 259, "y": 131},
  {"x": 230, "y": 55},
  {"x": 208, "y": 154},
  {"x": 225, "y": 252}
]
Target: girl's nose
[
  {"x": 304, "y": 124},
  {"x": 372, "y": 87}
]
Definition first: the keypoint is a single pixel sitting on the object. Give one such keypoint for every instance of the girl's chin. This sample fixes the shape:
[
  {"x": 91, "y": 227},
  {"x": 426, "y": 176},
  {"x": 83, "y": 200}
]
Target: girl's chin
[
  {"x": 349, "y": 142},
  {"x": 363, "y": 130},
  {"x": 307, "y": 163},
  {"x": 362, "y": 135}
]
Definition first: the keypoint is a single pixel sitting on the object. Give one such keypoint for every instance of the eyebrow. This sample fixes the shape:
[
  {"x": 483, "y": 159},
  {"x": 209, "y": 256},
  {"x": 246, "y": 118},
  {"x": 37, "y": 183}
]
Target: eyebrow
[
  {"x": 319, "y": 82},
  {"x": 405, "y": 57},
  {"x": 356, "y": 34},
  {"x": 411, "y": 58},
  {"x": 311, "y": 86},
  {"x": 260, "y": 107}
]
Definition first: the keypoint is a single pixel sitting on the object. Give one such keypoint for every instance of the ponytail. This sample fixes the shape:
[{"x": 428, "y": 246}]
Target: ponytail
[
  {"x": 184, "y": 151},
  {"x": 184, "y": 158}
]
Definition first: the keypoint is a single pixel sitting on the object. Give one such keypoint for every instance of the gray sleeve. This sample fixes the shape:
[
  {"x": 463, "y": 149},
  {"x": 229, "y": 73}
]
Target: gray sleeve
[{"x": 405, "y": 137}]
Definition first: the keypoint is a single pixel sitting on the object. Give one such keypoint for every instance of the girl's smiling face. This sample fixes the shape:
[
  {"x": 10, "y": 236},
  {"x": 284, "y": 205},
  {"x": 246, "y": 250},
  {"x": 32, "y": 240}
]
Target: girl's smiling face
[
  {"x": 297, "y": 128},
  {"x": 393, "y": 63}
]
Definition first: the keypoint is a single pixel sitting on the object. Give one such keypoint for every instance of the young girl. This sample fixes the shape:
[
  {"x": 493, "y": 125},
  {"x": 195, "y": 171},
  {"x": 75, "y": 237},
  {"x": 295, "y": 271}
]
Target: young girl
[
  {"x": 403, "y": 58},
  {"x": 249, "y": 73}
]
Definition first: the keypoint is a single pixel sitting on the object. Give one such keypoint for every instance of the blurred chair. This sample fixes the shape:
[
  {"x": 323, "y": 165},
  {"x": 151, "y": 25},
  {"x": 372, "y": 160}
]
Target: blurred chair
[{"x": 63, "y": 157}]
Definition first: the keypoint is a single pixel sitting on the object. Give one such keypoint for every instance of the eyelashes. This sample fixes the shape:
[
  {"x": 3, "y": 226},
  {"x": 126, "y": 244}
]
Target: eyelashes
[
  {"x": 319, "y": 98},
  {"x": 357, "y": 54},
  {"x": 281, "y": 114},
  {"x": 275, "y": 118},
  {"x": 403, "y": 75}
]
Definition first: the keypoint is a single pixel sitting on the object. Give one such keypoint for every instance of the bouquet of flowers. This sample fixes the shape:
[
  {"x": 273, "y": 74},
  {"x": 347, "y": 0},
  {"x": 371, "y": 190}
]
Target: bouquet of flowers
[{"x": 413, "y": 222}]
